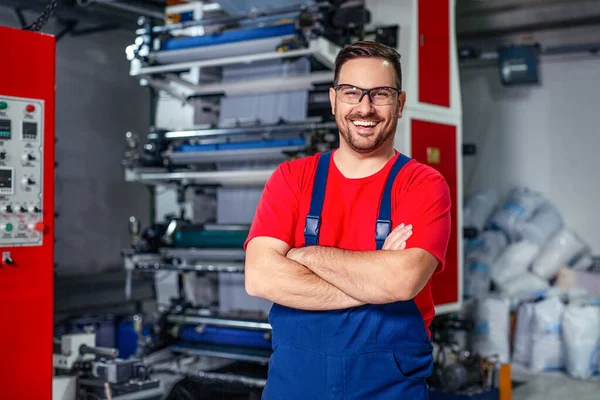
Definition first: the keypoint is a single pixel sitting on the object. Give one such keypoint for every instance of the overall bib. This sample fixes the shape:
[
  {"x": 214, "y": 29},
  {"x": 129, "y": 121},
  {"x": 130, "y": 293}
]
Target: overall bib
[{"x": 372, "y": 352}]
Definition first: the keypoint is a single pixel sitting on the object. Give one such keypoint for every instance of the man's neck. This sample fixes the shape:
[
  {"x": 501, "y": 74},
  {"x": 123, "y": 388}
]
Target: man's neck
[{"x": 355, "y": 165}]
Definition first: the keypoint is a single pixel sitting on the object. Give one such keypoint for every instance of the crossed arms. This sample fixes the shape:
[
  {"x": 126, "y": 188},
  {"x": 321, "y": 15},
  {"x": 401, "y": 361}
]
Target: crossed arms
[{"x": 327, "y": 278}]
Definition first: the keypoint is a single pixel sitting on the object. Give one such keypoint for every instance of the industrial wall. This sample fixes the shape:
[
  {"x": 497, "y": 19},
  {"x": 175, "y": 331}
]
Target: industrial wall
[
  {"x": 96, "y": 103},
  {"x": 545, "y": 137}
]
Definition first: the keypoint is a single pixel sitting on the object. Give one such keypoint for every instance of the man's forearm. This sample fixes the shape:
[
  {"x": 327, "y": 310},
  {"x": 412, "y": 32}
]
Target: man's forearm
[
  {"x": 380, "y": 276},
  {"x": 288, "y": 283}
]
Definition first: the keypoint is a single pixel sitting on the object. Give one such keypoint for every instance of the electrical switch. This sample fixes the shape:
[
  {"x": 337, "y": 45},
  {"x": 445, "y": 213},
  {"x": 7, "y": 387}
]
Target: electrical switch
[{"x": 3, "y": 105}]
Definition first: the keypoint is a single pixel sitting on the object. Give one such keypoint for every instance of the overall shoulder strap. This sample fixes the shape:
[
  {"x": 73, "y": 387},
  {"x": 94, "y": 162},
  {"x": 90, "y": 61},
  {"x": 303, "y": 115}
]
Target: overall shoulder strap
[
  {"x": 313, "y": 219},
  {"x": 384, "y": 219}
]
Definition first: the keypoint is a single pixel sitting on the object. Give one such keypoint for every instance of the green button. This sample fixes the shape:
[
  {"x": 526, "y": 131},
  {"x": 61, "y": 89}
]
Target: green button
[
  {"x": 3, "y": 105},
  {"x": 9, "y": 227}
]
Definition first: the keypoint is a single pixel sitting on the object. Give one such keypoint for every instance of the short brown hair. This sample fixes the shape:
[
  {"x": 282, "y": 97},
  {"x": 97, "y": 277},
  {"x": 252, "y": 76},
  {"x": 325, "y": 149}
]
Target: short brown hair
[{"x": 367, "y": 49}]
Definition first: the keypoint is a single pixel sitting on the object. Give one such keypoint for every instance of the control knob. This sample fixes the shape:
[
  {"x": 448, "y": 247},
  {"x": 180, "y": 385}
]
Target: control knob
[
  {"x": 28, "y": 182},
  {"x": 37, "y": 227},
  {"x": 8, "y": 227},
  {"x": 3, "y": 155},
  {"x": 26, "y": 158},
  {"x": 7, "y": 208},
  {"x": 23, "y": 209},
  {"x": 34, "y": 209}
]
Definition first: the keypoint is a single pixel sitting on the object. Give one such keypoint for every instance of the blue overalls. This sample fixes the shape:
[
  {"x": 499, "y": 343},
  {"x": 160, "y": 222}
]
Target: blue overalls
[{"x": 373, "y": 352}]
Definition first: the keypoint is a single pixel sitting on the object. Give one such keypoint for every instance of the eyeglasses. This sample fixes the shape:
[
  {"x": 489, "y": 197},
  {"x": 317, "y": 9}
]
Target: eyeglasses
[{"x": 380, "y": 96}]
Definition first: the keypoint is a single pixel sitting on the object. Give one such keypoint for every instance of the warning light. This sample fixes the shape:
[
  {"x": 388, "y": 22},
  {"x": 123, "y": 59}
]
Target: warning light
[{"x": 30, "y": 108}]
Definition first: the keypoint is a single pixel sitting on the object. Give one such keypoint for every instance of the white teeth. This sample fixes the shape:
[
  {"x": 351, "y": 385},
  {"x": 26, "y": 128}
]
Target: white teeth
[{"x": 364, "y": 123}]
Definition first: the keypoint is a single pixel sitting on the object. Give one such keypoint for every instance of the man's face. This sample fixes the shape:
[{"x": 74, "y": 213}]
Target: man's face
[{"x": 365, "y": 127}]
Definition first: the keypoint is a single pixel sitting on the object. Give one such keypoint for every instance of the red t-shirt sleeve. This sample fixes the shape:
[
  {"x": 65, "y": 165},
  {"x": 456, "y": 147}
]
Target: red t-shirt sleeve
[
  {"x": 426, "y": 205},
  {"x": 277, "y": 210}
]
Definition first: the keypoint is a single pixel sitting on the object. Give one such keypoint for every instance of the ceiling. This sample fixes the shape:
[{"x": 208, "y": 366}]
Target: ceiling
[{"x": 478, "y": 22}]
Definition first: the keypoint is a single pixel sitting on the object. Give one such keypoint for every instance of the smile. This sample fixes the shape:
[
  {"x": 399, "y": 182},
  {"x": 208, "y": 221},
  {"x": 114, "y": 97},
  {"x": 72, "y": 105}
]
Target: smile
[{"x": 365, "y": 123}]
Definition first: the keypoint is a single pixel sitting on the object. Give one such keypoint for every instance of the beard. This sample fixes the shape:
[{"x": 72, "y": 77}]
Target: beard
[{"x": 364, "y": 144}]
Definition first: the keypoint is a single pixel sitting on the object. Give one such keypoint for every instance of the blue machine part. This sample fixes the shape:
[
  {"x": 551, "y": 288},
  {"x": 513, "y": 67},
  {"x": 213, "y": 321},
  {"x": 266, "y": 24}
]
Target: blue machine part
[
  {"x": 225, "y": 336},
  {"x": 261, "y": 144},
  {"x": 490, "y": 394},
  {"x": 229, "y": 37},
  {"x": 127, "y": 338}
]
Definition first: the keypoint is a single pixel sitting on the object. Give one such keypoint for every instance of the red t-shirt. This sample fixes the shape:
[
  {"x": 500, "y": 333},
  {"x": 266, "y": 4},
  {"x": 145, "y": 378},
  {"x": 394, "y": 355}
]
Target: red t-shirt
[{"x": 420, "y": 197}]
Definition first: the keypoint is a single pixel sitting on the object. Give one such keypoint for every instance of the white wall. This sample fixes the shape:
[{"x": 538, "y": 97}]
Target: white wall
[
  {"x": 545, "y": 137},
  {"x": 96, "y": 103}
]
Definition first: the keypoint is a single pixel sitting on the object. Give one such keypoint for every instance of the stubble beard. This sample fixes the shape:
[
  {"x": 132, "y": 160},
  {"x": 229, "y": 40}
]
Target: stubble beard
[{"x": 361, "y": 144}]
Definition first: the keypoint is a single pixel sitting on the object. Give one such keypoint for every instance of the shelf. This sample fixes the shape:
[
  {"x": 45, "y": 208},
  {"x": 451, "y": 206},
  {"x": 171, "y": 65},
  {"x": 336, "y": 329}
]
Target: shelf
[
  {"x": 256, "y": 177},
  {"x": 211, "y": 255},
  {"x": 196, "y": 267},
  {"x": 219, "y": 321},
  {"x": 285, "y": 127},
  {"x": 229, "y": 352},
  {"x": 212, "y": 156}
]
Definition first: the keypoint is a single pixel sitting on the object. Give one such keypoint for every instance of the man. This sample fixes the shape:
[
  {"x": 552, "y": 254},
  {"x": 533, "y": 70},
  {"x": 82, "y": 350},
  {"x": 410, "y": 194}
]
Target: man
[{"x": 329, "y": 246}]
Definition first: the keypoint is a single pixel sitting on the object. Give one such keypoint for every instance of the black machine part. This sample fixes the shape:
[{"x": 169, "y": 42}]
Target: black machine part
[
  {"x": 119, "y": 371},
  {"x": 459, "y": 376},
  {"x": 107, "y": 352}
]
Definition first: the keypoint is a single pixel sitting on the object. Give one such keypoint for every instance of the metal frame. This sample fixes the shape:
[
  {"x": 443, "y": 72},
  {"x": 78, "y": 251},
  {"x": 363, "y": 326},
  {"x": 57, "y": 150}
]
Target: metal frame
[
  {"x": 256, "y": 177},
  {"x": 320, "y": 48}
]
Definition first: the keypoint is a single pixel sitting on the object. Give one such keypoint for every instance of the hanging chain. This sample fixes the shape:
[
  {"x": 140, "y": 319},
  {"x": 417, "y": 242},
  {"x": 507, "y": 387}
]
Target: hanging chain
[{"x": 42, "y": 19}]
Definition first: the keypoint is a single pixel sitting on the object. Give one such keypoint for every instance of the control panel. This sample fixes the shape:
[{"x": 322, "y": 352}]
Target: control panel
[{"x": 21, "y": 178}]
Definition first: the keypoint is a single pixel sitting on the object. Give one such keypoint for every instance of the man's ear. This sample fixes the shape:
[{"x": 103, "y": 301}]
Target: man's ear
[
  {"x": 332, "y": 99},
  {"x": 401, "y": 102}
]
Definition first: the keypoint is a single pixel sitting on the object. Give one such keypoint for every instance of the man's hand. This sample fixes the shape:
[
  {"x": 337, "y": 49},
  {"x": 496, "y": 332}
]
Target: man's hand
[
  {"x": 372, "y": 277},
  {"x": 397, "y": 238}
]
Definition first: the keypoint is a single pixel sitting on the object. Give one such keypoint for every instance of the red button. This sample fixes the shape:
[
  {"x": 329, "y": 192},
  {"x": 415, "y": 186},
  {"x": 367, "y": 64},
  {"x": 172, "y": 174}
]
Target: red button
[
  {"x": 30, "y": 108},
  {"x": 39, "y": 227}
]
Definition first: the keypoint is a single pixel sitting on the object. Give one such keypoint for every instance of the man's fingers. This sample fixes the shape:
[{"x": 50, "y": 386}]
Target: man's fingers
[{"x": 397, "y": 237}]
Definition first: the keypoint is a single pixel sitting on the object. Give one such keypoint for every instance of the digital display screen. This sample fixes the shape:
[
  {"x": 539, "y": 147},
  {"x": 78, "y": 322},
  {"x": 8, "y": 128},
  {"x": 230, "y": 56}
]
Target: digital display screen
[
  {"x": 5, "y": 131},
  {"x": 30, "y": 130},
  {"x": 5, "y": 178}
]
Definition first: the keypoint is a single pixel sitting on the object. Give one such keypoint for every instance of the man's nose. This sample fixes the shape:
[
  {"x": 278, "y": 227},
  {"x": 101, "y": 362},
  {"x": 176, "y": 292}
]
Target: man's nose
[{"x": 365, "y": 104}]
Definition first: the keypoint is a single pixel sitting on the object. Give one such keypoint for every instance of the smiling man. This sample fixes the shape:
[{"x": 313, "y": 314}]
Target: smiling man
[{"x": 345, "y": 243}]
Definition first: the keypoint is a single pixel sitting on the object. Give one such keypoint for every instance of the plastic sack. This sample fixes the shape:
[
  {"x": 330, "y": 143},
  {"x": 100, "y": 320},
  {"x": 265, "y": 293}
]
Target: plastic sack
[
  {"x": 563, "y": 247},
  {"x": 478, "y": 209},
  {"x": 522, "y": 339},
  {"x": 520, "y": 206},
  {"x": 492, "y": 328},
  {"x": 581, "y": 334},
  {"x": 547, "y": 349},
  {"x": 525, "y": 286},
  {"x": 479, "y": 261},
  {"x": 583, "y": 263},
  {"x": 491, "y": 245},
  {"x": 582, "y": 283},
  {"x": 514, "y": 261},
  {"x": 542, "y": 226}
]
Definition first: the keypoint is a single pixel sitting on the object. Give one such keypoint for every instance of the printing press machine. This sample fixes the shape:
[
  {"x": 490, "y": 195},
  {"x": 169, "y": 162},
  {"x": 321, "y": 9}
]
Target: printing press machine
[{"x": 233, "y": 96}]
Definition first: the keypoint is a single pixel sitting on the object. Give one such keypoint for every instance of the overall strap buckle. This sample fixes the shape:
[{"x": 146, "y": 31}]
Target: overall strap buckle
[
  {"x": 313, "y": 219},
  {"x": 384, "y": 220}
]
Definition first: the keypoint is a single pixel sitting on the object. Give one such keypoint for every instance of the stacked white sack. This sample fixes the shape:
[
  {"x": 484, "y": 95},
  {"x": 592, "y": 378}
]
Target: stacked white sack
[
  {"x": 547, "y": 350},
  {"x": 563, "y": 247},
  {"x": 581, "y": 334},
  {"x": 492, "y": 328}
]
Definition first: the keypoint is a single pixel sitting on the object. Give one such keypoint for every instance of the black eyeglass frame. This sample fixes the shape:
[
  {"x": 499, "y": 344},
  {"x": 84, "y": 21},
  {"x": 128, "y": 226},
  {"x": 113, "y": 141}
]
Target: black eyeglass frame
[{"x": 366, "y": 91}]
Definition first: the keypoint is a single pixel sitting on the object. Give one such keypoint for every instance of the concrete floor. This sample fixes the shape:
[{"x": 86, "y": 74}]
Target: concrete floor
[{"x": 553, "y": 386}]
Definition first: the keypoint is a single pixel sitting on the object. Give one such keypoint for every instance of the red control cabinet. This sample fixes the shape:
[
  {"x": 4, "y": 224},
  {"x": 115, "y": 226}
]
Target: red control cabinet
[
  {"x": 434, "y": 144},
  {"x": 27, "y": 87},
  {"x": 434, "y": 52}
]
